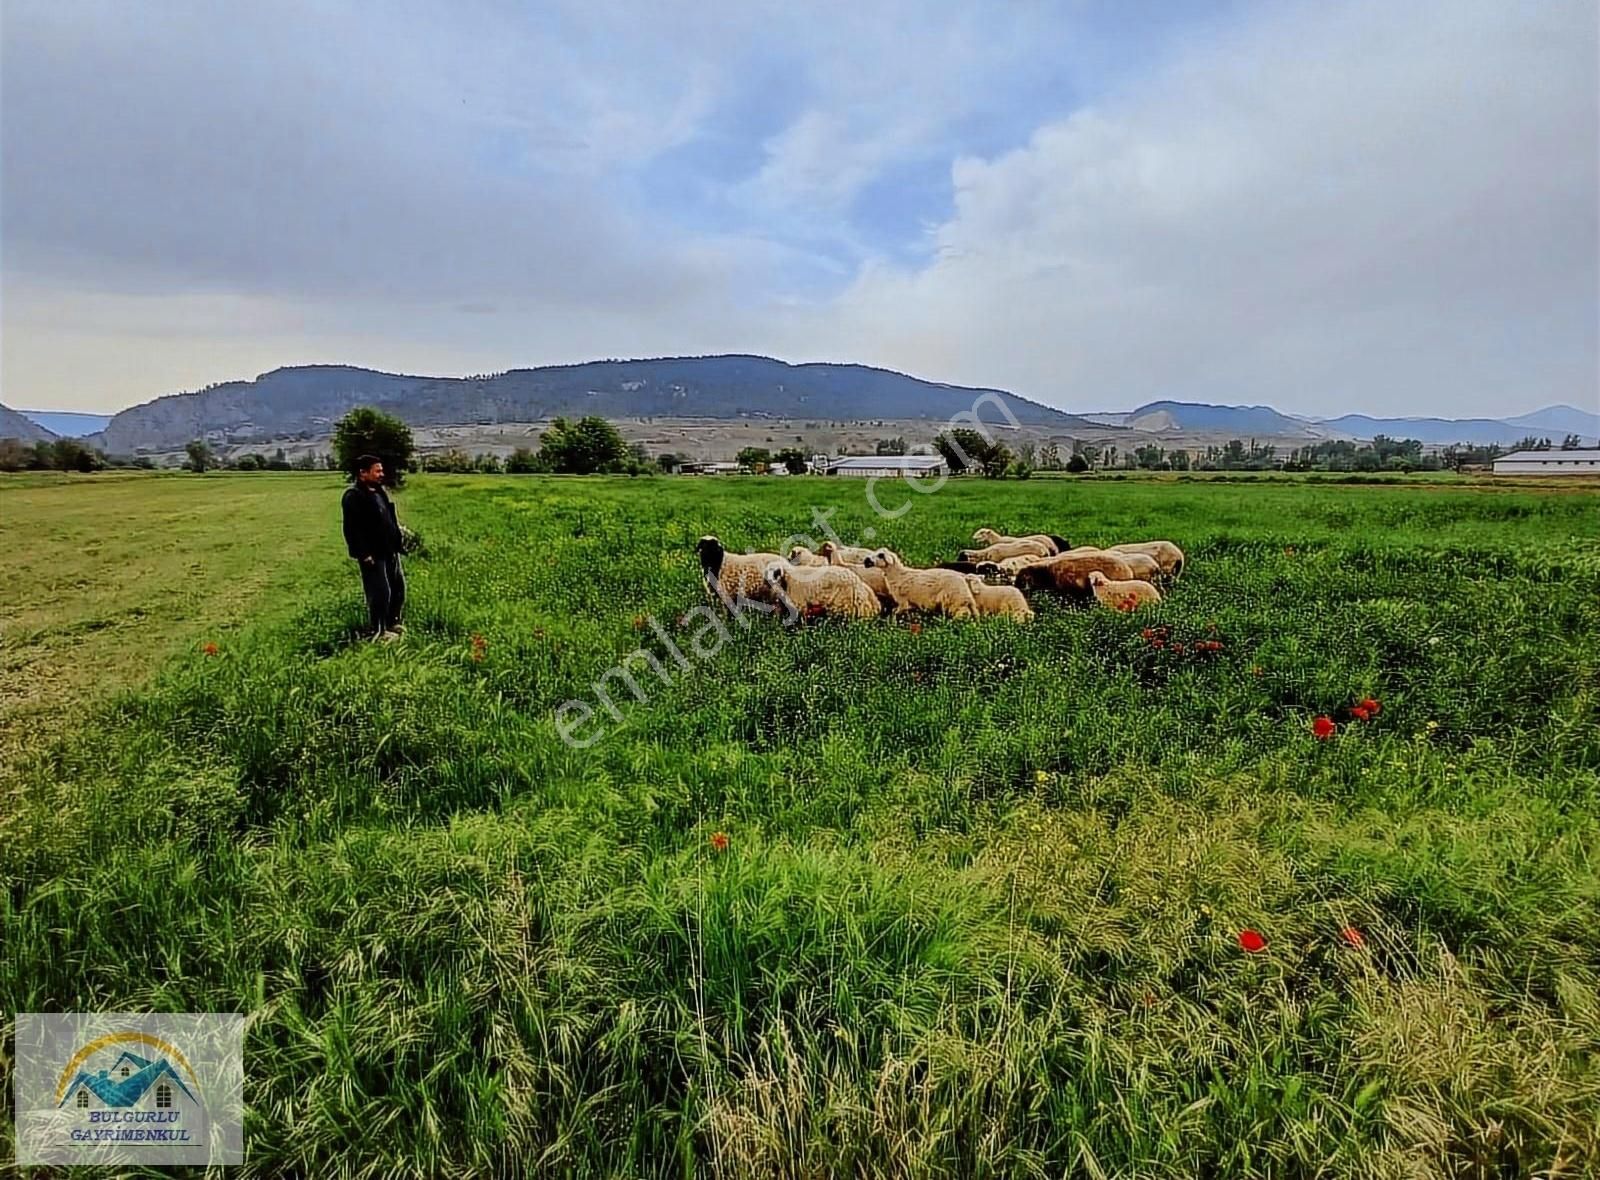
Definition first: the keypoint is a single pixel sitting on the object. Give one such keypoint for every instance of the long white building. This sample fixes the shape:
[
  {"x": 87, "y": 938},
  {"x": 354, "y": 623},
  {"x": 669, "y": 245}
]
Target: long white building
[
  {"x": 888, "y": 466},
  {"x": 1584, "y": 462}
]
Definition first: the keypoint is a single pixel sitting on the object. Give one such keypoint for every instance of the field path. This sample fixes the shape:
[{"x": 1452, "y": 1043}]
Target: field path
[{"x": 107, "y": 576}]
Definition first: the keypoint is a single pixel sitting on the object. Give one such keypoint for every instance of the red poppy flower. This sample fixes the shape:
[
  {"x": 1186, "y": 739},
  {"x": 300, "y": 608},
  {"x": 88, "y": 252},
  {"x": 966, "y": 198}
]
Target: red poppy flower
[
  {"x": 1158, "y": 644},
  {"x": 1177, "y": 649},
  {"x": 719, "y": 841},
  {"x": 1251, "y": 942},
  {"x": 1371, "y": 706},
  {"x": 1323, "y": 728},
  {"x": 1352, "y": 937},
  {"x": 210, "y": 649},
  {"x": 638, "y": 622},
  {"x": 1147, "y": 634},
  {"x": 813, "y": 610},
  {"x": 916, "y": 628},
  {"x": 1359, "y": 713}
]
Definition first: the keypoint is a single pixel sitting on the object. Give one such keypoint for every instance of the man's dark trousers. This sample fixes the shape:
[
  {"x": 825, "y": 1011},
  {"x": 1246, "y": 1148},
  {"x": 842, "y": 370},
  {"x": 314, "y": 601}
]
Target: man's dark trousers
[{"x": 385, "y": 587}]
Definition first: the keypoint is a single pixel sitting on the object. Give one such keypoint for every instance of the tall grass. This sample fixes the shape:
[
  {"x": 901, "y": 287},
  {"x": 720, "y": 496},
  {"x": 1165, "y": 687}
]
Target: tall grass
[{"x": 979, "y": 910}]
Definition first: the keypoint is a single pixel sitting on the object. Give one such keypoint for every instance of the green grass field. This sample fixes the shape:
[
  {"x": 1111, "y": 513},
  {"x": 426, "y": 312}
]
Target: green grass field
[{"x": 979, "y": 907}]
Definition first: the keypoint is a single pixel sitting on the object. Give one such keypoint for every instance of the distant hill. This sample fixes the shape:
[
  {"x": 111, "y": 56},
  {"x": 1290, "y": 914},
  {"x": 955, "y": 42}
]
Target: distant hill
[
  {"x": 14, "y": 425},
  {"x": 1264, "y": 421},
  {"x": 308, "y": 400},
  {"x": 68, "y": 423},
  {"x": 1202, "y": 417},
  {"x": 1560, "y": 420},
  {"x": 1478, "y": 431}
]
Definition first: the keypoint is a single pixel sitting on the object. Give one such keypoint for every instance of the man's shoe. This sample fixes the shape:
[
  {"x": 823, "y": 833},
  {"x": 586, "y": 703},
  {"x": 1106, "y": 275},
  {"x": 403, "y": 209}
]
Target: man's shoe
[
  {"x": 387, "y": 637},
  {"x": 398, "y": 628}
]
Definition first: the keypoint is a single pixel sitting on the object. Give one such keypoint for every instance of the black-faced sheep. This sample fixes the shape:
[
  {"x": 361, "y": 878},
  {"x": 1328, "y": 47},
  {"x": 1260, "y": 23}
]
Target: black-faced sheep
[
  {"x": 732, "y": 577},
  {"x": 933, "y": 591},
  {"x": 1122, "y": 595},
  {"x": 998, "y": 600},
  {"x": 1168, "y": 556},
  {"x": 1069, "y": 574},
  {"x": 823, "y": 590},
  {"x": 1054, "y": 543}
]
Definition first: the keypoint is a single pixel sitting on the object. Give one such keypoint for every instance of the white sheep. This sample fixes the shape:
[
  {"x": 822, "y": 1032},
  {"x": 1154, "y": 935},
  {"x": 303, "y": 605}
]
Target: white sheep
[
  {"x": 933, "y": 591},
  {"x": 998, "y": 600},
  {"x": 732, "y": 577},
  {"x": 838, "y": 554},
  {"x": 1008, "y": 568},
  {"x": 876, "y": 582},
  {"x": 1167, "y": 555},
  {"x": 1122, "y": 595},
  {"x": 1054, "y": 543},
  {"x": 823, "y": 590},
  {"x": 1144, "y": 567},
  {"x": 800, "y": 555},
  {"x": 1005, "y": 549}
]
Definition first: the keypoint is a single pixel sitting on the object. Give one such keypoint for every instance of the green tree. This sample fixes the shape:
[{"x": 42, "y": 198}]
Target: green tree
[
  {"x": 754, "y": 457},
  {"x": 522, "y": 461},
  {"x": 201, "y": 457},
  {"x": 793, "y": 460},
  {"x": 891, "y": 446},
  {"x": 366, "y": 430},
  {"x": 965, "y": 449},
  {"x": 68, "y": 454},
  {"x": 584, "y": 447},
  {"x": 1571, "y": 443}
]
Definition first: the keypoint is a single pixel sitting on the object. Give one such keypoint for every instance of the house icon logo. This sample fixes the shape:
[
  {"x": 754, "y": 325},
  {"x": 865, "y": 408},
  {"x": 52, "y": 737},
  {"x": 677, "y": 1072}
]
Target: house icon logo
[
  {"x": 150, "y": 1089},
  {"x": 135, "y": 1086}
]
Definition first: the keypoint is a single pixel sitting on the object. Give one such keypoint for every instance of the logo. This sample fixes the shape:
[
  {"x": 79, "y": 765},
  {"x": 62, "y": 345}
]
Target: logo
[{"x": 148, "y": 1088}]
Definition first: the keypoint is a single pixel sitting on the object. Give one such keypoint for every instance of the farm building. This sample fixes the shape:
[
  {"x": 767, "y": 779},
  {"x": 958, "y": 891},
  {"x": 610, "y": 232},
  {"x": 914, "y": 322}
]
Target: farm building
[
  {"x": 1584, "y": 462},
  {"x": 888, "y": 466}
]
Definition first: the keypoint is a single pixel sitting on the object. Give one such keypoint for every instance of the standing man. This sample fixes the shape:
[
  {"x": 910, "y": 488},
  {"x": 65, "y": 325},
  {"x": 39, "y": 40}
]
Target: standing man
[{"x": 372, "y": 534}]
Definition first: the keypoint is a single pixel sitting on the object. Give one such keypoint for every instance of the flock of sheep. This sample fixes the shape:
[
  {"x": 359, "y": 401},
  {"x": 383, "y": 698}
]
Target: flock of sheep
[{"x": 852, "y": 582}]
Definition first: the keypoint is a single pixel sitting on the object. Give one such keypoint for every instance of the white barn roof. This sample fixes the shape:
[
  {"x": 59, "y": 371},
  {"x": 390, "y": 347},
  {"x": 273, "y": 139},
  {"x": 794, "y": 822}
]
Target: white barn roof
[
  {"x": 1585, "y": 455},
  {"x": 890, "y": 462}
]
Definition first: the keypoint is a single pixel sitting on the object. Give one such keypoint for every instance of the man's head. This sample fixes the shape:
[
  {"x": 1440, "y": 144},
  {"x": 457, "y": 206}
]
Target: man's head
[{"x": 369, "y": 470}]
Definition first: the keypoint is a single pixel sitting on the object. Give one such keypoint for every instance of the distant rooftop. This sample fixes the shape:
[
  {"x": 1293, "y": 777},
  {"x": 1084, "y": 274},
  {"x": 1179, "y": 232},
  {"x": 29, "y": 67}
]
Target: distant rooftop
[
  {"x": 1585, "y": 455},
  {"x": 903, "y": 462}
]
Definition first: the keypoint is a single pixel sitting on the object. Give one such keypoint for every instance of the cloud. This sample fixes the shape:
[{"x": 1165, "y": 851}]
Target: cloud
[
  {"x": 1328, "y": 207},
  {"x": 1367, "y": 207}
]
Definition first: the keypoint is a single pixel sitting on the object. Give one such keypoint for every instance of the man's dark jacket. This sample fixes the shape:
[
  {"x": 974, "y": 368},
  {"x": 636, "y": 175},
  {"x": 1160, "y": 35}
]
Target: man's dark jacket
[{"x": 371, "y": 528}]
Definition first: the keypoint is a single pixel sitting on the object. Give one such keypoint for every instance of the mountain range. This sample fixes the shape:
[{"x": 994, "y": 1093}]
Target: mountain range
[
  {"x": 308, "y": 400},
  {"x": 1265, "y": 422},
  {"x": 303, "y": 402}
]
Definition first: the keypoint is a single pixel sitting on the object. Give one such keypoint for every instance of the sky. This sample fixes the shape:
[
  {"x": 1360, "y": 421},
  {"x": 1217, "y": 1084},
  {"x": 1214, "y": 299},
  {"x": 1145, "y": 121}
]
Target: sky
[{"x": 1333, "y": 207}]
